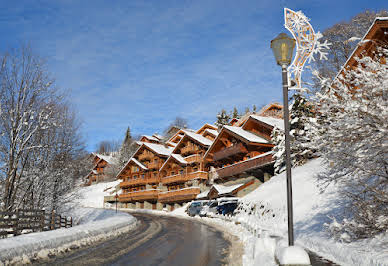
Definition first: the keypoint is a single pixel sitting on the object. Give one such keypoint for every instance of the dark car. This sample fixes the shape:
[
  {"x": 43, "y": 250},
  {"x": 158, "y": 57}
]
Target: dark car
[
  {"x": 227, "y": 207},
  {"x": 194, "y": 208}
]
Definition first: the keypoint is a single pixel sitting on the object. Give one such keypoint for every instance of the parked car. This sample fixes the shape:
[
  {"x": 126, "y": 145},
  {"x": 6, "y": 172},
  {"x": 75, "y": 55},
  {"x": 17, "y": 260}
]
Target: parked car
[
  {"x": 194, "y": 208},
  {"x": 209, "y": 209},
  {"x": 227, "y": 206}
]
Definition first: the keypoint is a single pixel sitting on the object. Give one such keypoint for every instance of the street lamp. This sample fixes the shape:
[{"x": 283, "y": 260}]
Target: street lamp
[{"x": 282, "y": 47}]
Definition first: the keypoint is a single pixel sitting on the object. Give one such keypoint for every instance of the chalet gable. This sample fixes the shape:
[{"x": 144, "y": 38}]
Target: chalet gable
[{"x": 204, "y": 127}]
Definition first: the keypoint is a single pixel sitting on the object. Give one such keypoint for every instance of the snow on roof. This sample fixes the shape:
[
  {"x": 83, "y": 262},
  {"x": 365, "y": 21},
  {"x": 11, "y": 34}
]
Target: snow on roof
[
  {"x": 138, "y": 163},
  {"x": 275, "y": 122},
  {"x": 201, "y": 139},
  {"x": 94, "y": 172},
  {"x": 171, "y": 143},
  {"x": 202, "y": 194},
  {"x": 179, "y": 158},
  {"x": 108, "y": 158},
  {"x": 246, "y": 134},
  {"x": 159, "y": 149},
  {"x": 226, "y": 189},
  {"x": 158, "y": 136},
  {"x": 151, "y": 138},
  {"x": 212, "y": 132}
]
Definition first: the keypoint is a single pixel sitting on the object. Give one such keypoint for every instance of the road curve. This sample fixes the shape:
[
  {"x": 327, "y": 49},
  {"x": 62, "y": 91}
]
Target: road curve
[{"x": 157, "y": 240}]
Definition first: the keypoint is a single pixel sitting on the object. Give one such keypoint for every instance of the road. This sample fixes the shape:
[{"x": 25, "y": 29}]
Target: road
[{"x": 158, "y": 240}]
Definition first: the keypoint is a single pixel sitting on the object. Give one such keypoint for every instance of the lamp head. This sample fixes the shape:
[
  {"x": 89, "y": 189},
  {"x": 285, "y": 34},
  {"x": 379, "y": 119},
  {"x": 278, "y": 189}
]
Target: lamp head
[{"x": 283, "y": 47}]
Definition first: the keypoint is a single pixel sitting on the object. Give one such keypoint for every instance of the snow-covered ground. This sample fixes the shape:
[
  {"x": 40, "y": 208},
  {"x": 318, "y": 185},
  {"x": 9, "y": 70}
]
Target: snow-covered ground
[
  {"x": 91, "y": 224},
  {"x": 262, "y": 223}
]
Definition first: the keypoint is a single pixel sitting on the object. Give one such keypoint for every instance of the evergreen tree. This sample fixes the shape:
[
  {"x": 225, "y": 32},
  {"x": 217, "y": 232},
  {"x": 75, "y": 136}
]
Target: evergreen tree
[
  {"x": 302, "y": 148},
  {"x": 247, "y": 110},
  {"x": 235, "y": 113},
  {"x": 254, "y": 108},
  {"x": 222, "y": 118},
  {"x": 127, "y": 149}
]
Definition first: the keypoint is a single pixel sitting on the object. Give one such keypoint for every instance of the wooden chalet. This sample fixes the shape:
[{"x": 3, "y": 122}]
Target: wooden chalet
[
  {"x": 272, "y": 110},
  {"x": 100, "y": 162},
  {"x": 243, "y": 151},
  {"x": 140, "y": 176},
  {"x": 376, "y": 36},
  {"x": 184, "y": 174},
  {"x": 150, "y": 139}
]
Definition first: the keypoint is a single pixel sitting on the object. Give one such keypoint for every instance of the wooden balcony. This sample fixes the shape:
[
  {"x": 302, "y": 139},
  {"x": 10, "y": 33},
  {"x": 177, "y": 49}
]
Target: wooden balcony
[
  {"x": 195, "y": 158},
  {"x": 185, "y": 177},
  {"x": 139, "y": 181},
  {"x": 139, "y": 195},
  {"x": 230, "y": 151},
  {"x": 244, "y": 166},
  {"x": 188, "y": 150},
  {"x": 186, "y": 194},
  {"x": 153, "y": 165}
]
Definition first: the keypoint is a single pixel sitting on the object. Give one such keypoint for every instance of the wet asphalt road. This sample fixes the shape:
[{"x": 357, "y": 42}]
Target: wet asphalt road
[{"x": 157, "y": 240}]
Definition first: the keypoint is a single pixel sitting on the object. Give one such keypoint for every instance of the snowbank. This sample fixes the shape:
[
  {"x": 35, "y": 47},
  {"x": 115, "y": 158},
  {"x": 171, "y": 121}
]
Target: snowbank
[
  {"x": 93, "y": 196},
  {"x": 95, "y": 224}
]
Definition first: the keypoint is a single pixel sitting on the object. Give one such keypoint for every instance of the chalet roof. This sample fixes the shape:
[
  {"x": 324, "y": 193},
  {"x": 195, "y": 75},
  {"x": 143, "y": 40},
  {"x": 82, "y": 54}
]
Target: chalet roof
[
  {"x": 175, "y": 156},
  {"x": 203, "y": 194},
  {"x": 207, "y": 125},
  {"x": 246, "y": 134},
  {"x": 160, "y": 137},
  {"x": 222, "y": 190},
  {"x": 212, "y": 132},
  {"x": 150, "y": 138},
  {"x": 360, "y": 46},
  {"x": 201, "y": 139},
  {"x": 138, "y": 163},
  {"x": 108, "y": 158},
  {"x": 274, "y": 122},
  {"x": 159, "y": 148}
]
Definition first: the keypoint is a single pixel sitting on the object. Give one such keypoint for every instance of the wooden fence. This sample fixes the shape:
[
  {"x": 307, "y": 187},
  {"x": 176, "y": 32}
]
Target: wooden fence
[{"x": 26, "y": 221}]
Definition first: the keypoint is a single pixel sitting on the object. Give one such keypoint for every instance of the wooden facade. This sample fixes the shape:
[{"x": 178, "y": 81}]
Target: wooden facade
[
  {"x": 184, "y": 171},
  {"x": 140, "y": 176},
  {"x": 100, "y": 162}
]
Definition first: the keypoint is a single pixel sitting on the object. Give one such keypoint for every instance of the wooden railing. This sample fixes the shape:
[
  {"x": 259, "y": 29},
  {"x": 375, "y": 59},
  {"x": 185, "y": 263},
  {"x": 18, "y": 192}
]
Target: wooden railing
[
  {"x": 26, "y": 221},
  {"x": 189, "y": 149},
  {"x": 138, "y": 181},
  {"x": 153, "y": 165},
  {"x": 243, "y": 166},
  {"x": 139, "y": 195},
  {"x": 195, "y": 158},
  {"x": 184, "y": 177},
  {"x": 230, "y": 151},
  {"x": 179, "y": 195}
]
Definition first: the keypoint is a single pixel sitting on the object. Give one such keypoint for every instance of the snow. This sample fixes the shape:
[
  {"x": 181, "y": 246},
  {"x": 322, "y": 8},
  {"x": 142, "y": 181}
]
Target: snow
[
  {"x": 211, "y": 132},
  {"x": 159, "y": 149},
  {"x": 93, "y": 196},
  {"x": 109, "y": 159},
  {"x": 203, "y": 194},
  {"x": 151, "y": 138},
  {"x": 201, "y": 139},
  {"x": 179, "y": 158},
  {"x": 246, "y": 134},
  {"x": 89, "y": 225},
  {"x": 292, "y": 255},
  {"x": 226, "y": 189},
  {"x": 275, "y": 122},
  {"x": 138, "y": 163}
]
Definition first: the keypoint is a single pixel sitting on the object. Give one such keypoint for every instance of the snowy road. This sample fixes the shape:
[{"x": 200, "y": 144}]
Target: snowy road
[{"x": 158, "y": 240}]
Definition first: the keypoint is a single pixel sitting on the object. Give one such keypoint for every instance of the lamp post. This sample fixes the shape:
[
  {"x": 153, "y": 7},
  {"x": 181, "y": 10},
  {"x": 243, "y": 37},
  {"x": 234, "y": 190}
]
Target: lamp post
[{"x": 282, "y": 47}]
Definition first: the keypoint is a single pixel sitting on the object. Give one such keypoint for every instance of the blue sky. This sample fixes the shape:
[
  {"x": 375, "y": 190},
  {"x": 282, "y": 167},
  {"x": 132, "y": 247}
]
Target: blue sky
[{"x": 142, "y": 63}]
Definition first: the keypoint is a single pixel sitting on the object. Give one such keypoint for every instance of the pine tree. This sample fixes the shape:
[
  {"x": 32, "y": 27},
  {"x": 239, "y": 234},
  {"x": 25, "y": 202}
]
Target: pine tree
[
  {"x": 302, "y": 148},
  {"x": 235, "y": 113},
  {"x": 247, "y": 110},
  {"x": 254, "y": 108},
  {"x": 222, "y": 118}
]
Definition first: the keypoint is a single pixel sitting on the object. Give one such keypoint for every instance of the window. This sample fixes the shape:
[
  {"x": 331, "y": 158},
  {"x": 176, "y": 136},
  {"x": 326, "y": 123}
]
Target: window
[
  {"x": 135, "y": 177},
  {"x": 155, "y": 174},
  {"x": 181, "y": 172},
  {"x": 142, "y": 176},
  {"x": 172, "y": 173},
  {"x": 156, "y": 160}
]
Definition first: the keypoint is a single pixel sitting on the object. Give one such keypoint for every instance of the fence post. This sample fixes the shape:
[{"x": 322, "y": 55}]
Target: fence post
[
  {"x": 16, "y": 223},
  {"x": 42, "y": 216},
  {"x": 52, "y": 226},
  {"x": 71, "y": 221},
  {"x": 60, "y": 221}
]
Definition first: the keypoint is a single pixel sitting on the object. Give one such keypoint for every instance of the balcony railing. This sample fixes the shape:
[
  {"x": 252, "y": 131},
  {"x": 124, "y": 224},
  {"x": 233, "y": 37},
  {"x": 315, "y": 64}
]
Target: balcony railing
[
  {"x": 189, "y": 149},
  {"x": 185, "y": 194},
  {"x": 139, "y": 195},
  {"x": 185, "y": 177},
  {"x": 230, "y": 151},
  {"x": 246, "y": 165},
  {"x": 138, "y": 181},
  {"x": 195, "y": 158},
  {"x": 153, "y": 165}
]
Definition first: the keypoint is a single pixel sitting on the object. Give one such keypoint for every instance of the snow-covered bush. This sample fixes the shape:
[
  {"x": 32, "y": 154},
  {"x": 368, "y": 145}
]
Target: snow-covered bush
[{"x": 353, "y": 115}]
